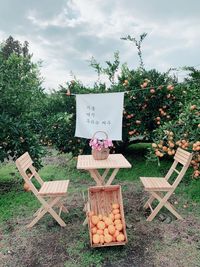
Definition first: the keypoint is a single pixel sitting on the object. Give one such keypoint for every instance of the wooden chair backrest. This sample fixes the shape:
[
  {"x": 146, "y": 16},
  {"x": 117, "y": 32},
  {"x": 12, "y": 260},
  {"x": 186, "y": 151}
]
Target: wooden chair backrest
[
  {"x": 25, "y": 166},
  {"x": 181, "y": 157}
]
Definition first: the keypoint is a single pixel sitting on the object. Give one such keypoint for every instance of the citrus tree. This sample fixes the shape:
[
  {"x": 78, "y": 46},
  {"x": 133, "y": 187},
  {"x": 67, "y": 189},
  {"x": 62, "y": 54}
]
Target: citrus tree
[
  {"x": 184, "y": 130},
  {"x": 21, "y": 97}
]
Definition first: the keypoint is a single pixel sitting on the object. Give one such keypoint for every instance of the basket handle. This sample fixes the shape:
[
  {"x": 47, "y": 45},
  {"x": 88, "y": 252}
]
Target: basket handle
[{"x": 106, "y": 135}]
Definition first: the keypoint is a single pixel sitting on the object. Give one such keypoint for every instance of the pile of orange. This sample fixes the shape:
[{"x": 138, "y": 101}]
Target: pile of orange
[{"x": 107, "y": 229}]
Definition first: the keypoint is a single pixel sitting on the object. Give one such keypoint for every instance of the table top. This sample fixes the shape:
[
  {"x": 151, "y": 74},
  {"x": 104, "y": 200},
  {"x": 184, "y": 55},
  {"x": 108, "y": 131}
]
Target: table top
[{"x": 87, "y": 162}]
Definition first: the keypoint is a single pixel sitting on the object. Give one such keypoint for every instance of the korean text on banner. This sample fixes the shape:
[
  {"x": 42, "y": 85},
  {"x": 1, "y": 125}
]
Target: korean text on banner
[{"x": 99, "y": 112}]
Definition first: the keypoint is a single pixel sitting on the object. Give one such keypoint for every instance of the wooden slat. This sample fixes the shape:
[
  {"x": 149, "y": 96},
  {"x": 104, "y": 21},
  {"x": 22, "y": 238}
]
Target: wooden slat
[
  {"x": 87, "y": 162},
  {"x": 54, "y": 188},
  {"x": 176, "y": 170},
  {"x": 181, "y": 160},
  {"x": 181, "y": 151},
  {"x": 155, "y": 184}
]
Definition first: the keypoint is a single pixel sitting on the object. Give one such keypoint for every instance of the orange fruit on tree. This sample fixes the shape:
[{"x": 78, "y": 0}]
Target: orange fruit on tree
[
  {"x": 101, "y": 225},
  {"x": 94, "y": 219},
  {"x": 111, "y": 229},
  {"x": 96, "y": 239},
  {"x": 145, "y": 84},
  {"x": 154, "y": 145}
]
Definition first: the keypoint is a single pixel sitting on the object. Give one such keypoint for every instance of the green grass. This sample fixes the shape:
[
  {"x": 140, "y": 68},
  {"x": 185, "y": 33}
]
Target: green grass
[{"x": 15, "y": 201}]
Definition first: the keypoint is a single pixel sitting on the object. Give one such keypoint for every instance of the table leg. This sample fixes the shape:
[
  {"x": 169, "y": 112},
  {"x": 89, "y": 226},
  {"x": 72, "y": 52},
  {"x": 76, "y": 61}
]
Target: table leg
[
  {"x": 95, "y": 176},
  {"x": 105, "y": 173},
  {"x": 100, "y": 177},
  {"x": 115, "y": 171}
]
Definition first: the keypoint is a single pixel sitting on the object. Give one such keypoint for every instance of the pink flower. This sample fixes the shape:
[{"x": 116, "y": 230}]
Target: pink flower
[{"x": 99, "y": 144}]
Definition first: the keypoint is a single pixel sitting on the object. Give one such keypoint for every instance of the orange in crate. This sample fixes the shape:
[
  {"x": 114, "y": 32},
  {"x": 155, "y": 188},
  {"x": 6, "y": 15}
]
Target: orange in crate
[{"x": 106, "y": 208}]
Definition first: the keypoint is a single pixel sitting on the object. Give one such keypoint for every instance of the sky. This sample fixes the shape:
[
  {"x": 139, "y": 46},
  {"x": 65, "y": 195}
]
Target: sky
[{"x": 65, "y": 34}]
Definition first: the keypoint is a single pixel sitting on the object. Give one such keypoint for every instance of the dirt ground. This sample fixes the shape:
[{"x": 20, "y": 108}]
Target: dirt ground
[
  {"x": 158, "y": 243},
  {"x": 163, "y": 242}
]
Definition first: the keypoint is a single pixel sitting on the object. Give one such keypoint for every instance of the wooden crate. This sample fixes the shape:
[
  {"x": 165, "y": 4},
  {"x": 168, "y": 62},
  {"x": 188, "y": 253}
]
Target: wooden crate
[{"x": 100, "y": 200}]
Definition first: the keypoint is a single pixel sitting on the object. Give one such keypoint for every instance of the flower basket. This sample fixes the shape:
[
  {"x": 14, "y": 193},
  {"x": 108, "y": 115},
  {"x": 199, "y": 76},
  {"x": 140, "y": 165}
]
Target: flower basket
[
  {"x": 100, "y": 155},
  {"x": 100, "y": 148}
]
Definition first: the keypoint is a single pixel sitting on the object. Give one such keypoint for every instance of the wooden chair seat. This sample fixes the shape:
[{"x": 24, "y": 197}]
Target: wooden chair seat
[
  {"x": 155, "y": 184},
  {"x": 54, "y": 188}
]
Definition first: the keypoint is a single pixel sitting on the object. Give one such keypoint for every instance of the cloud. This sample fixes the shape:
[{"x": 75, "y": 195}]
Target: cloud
[{"x": 64, "y": 34}]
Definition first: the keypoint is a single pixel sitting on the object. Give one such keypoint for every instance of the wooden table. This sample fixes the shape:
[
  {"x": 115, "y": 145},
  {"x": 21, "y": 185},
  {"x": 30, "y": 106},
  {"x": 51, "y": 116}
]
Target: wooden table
[{"x": 114, "y": 161}]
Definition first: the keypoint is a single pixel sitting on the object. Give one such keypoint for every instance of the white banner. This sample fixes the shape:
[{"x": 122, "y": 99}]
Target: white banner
[{"x": 99, "y": 112}]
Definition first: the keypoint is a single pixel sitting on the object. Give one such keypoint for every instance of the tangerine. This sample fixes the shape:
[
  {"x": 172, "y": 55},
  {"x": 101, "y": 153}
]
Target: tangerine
[
  {"x": 106, "y": 232},
  {"x": 111, "y": 216},
  {"x": 101, "y": 237},
  {"x": 117, "y": 216},
  {"x": 101, "y": 225},
  {"x": 117, "y": 222},
  {"x": 100, "y": 232},
  {"x": 26, "y": 187},
  {"x": 100, "y": 217},
  {"x": 96, "y": 239},
  {"x": 116, "y": 233},
  {"x": 115, "y": 211},
  {"x": 120, "y": 237},
  {"x": 108, "y": 221},
  {"x": 95, "y": 219},
  {"x": 119, "y": 226},
  {"x": 94, "y": 230},
  {"x": 115, "y": 206},
  {"x": 108, "y": 238},
  {"x": 111, "y": 229}
]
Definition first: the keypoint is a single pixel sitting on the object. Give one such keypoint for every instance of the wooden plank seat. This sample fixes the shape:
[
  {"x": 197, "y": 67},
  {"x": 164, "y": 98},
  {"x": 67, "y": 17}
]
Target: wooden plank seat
[
  {"x": 54, "y": 188},
  {"x": 160, "y": 189},
  {"x": 51, "y": 194},
  {"x": 155, "y": 184}
]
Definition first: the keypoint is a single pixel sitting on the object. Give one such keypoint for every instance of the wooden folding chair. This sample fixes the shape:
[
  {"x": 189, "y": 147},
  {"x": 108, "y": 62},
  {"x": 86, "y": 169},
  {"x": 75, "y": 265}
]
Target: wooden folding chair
[
  {"x": 161, "y": 190},
  {"x": 50, "y": 194}
]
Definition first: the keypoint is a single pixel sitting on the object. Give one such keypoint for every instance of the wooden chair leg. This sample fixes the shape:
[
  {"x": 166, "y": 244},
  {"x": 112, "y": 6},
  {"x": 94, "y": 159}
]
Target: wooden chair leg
[
  {"x": 37, "y": 212},
  {"x": 155, "y": 212},
  {"x": 173, "y": 211},
  {"x": 48, "y": 208},
  {"x": 149, "y": 201}
]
